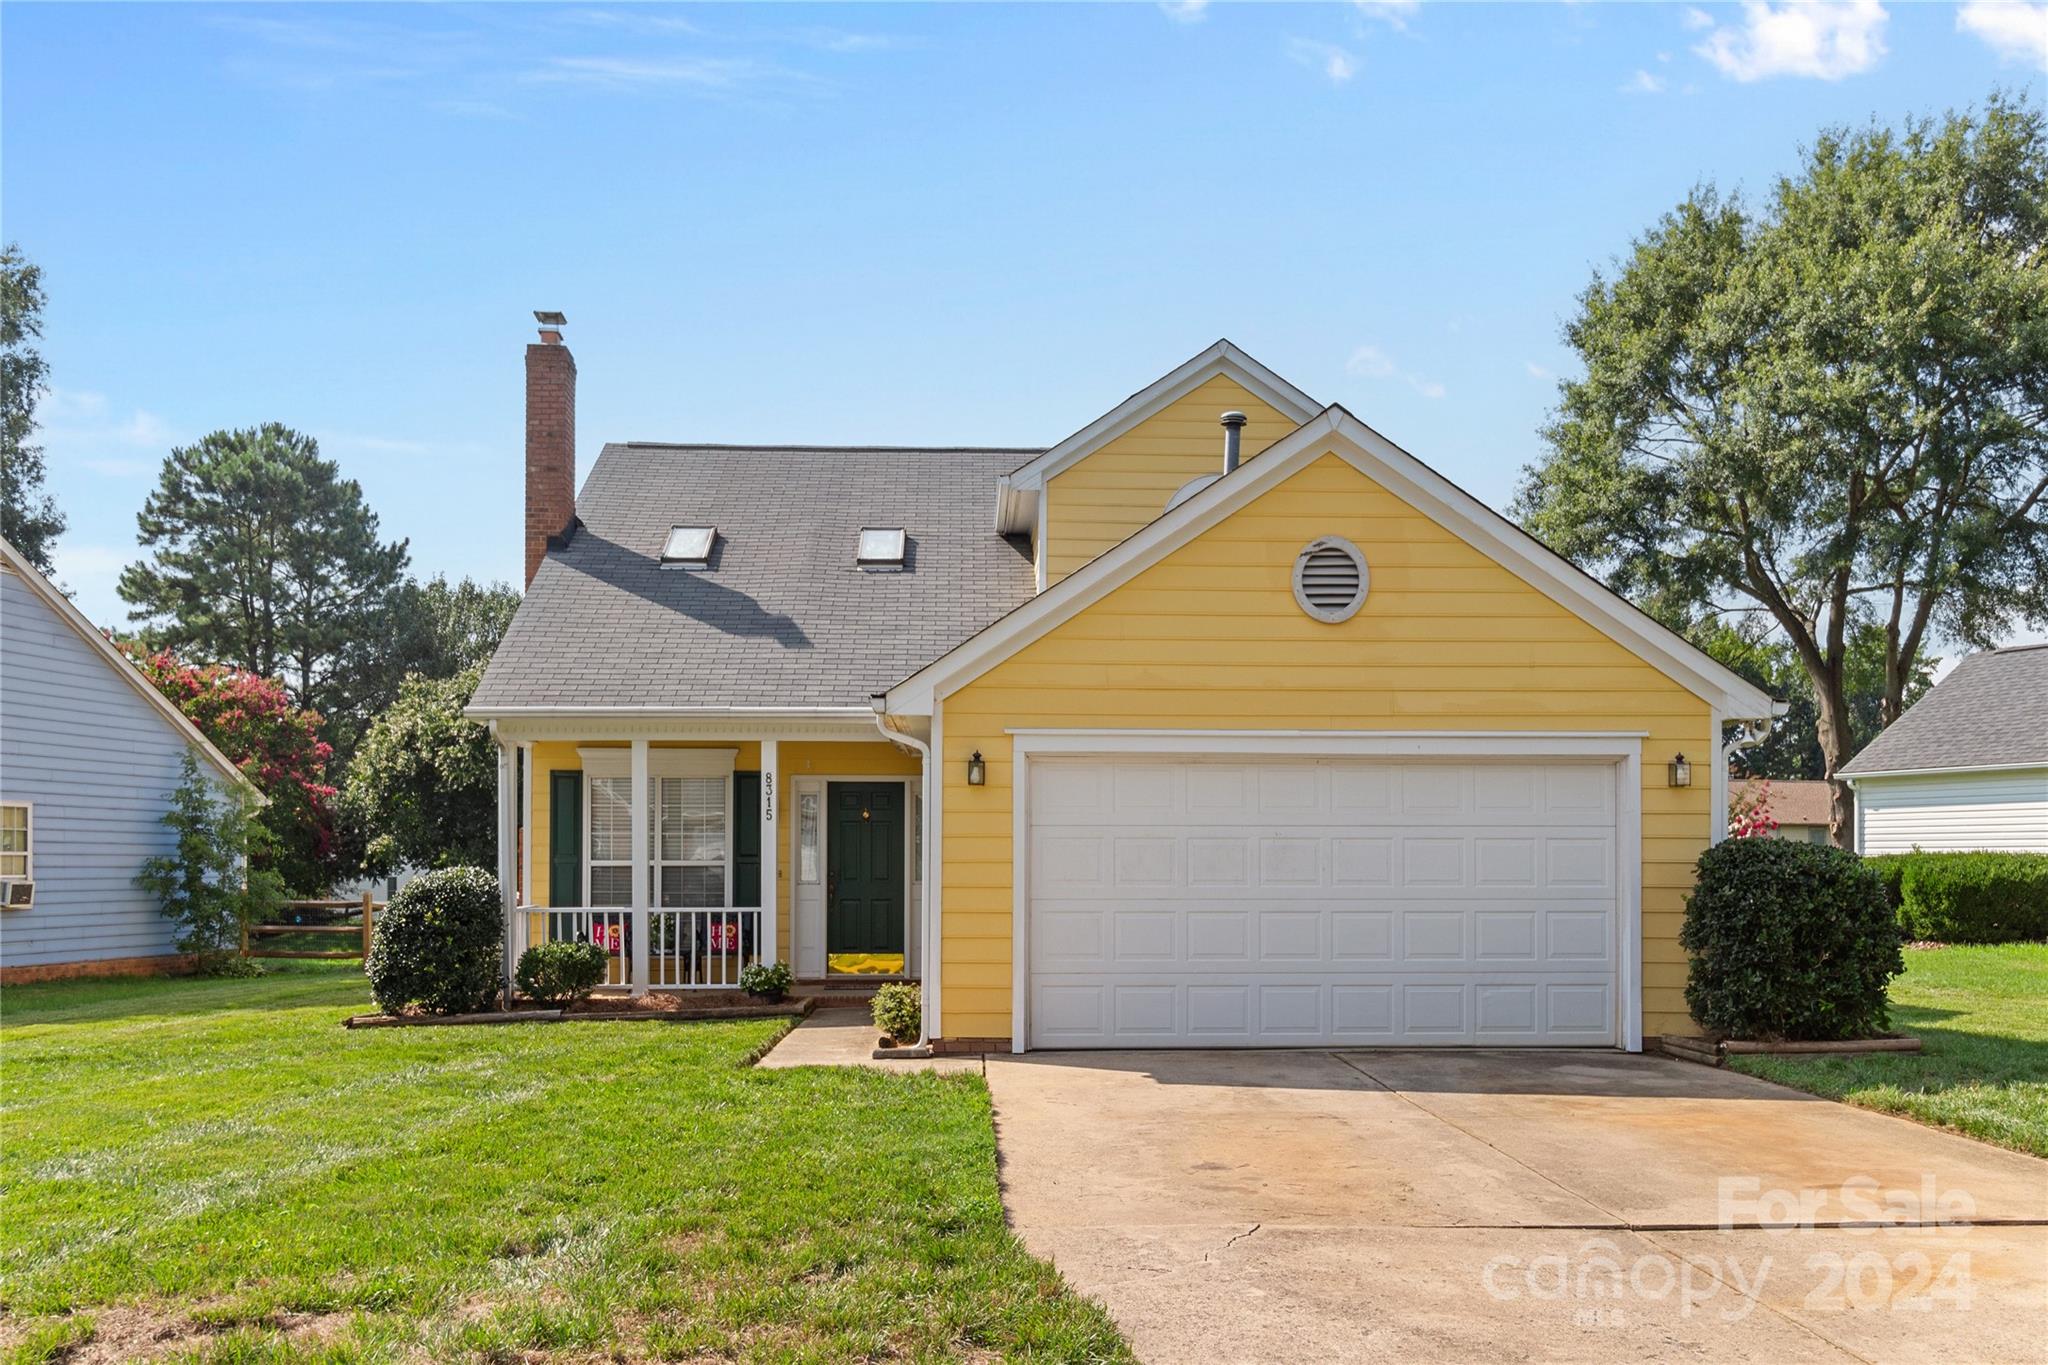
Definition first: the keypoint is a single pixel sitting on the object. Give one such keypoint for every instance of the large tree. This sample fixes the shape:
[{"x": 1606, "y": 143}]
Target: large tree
[
  {"x": 266, "y": 559},
  {"x": 278, "y": 748},
  {"x": 1792, "y": 748},
  {"x": 1828, "y": 411},
  {"x": 423, "y": 789},
  {"x": 28, "y": 517},
  {"x": 434, "y": 629}
]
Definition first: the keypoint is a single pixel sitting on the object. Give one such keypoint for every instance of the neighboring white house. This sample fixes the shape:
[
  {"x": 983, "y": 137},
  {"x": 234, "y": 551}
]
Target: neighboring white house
[
  {"x": 1966, "y": 767},
  {"x": 90, "y": 753}
]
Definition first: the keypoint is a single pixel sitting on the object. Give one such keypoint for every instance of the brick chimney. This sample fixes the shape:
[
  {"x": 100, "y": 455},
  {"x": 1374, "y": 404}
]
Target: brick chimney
[{"x": 550, "y": 439}]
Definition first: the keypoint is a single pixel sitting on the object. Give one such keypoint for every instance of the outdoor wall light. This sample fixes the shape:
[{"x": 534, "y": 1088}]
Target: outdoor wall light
[
  {"x": 977, "y": 771},
  {"x": 1681, "y": 772}
]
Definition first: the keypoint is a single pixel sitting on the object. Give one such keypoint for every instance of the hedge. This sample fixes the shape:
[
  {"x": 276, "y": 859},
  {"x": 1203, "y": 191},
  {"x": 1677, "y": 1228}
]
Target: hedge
[
  {"x": 1968, "y": 897},
  {"x": 1789, "y": 941}
]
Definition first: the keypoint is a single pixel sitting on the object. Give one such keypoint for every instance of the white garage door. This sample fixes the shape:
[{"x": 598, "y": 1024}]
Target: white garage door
[{"x": 1280, "y": 904}]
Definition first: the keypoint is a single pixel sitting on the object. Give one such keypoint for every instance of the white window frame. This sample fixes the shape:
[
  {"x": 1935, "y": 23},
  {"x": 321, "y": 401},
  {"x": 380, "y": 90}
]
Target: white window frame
[
  {"x": 656, "y": 863},
  {"x": 28, "y": 834},
  {"x": 590, "y": 860},
  {"x": 617, "y": 764}
]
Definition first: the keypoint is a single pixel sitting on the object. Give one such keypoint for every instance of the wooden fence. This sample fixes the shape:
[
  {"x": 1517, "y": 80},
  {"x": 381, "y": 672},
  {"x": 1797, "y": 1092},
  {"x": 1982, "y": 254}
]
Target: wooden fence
[{"x": 366, "y": 909}]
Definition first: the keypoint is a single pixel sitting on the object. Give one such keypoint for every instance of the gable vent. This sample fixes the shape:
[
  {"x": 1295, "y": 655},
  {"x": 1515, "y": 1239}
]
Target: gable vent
[{"x": 1330, "y": 579}]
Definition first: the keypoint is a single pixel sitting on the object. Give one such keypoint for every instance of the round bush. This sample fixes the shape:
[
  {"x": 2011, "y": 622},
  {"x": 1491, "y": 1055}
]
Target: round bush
[
  {"x": 441, "y": 944},
  {"x": 559, "y": 973},
  {"x": 898, "y": 1010},
  {"x": 1789, "y": 941}
]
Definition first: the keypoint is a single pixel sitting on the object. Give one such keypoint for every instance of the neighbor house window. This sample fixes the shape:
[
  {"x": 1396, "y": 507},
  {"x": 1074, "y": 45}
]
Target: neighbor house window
[
  {"x": 689, "y": 842},
  {"x": 14, "y": 841}
]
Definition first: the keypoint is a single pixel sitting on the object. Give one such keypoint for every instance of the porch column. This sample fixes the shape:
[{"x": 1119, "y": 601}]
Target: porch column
[
  {"x": 526, "y": 895},
  {"x": 507, "y": 837},
  {"x": 770, "y": 772},
  {"x": 641, "y": 900}
]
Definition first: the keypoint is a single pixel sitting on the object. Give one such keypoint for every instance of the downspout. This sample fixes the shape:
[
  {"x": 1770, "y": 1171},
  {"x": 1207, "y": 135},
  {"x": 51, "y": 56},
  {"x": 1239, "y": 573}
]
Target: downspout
[{"x": 923, "y": 1046}]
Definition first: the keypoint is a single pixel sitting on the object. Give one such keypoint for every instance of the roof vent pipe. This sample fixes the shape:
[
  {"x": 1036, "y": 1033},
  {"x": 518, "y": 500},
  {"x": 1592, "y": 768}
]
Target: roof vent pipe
[{"x": 1233, "y": 435}]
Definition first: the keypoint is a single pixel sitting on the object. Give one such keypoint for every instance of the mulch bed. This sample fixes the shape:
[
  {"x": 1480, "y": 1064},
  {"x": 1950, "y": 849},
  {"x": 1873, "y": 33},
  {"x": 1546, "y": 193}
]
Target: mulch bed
[{"x": 674, "y": 1007}]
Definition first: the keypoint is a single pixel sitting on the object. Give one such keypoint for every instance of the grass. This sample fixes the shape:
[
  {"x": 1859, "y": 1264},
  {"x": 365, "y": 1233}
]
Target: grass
[
  {"x": 216, "y": 1171},
  {"x": 1982, "y": 1016}
]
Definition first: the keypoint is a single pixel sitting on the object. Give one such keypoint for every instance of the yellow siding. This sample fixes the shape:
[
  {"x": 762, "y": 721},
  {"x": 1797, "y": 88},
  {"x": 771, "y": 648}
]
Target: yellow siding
[
  {"x": 1211, "y": 636},
  {"x": 794, "y": 759},
  {"x": 1118, "y": 489}
]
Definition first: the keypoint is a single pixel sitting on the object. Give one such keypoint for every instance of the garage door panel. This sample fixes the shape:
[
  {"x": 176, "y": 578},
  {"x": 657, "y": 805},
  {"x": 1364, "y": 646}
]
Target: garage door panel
[{"x": 1205, "y": 903}]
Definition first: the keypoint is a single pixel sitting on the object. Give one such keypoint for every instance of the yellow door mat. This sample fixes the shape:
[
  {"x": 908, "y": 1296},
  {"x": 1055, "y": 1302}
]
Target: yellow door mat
[{"x": 865, "y": 964}]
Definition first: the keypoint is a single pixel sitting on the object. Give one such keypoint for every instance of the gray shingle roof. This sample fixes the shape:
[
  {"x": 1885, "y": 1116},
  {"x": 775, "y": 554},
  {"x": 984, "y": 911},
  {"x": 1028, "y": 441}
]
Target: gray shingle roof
[
  {"x": 1992, "y": 710},
  {"x": 782, "y": 617}
]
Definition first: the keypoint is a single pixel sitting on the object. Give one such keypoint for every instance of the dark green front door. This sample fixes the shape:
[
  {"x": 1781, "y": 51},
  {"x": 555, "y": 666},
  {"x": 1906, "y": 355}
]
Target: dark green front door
[{"x": 864, "y": 867}]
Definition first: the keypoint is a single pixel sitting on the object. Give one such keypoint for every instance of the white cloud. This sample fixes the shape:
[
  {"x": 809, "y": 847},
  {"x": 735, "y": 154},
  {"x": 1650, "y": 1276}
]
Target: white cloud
[
  {"x": 1696, "y": 19},
  {"x": 1825, "y": 39},
  {"x": 1185, "y": 11},
  {"x": 1393, "y": 13},
  {"x": 1642, "y": 83},
  {"x": 1537, "y": 371},
  {"x": 1333, "y": 61},
  {"x": 78, "y": 426},
  {"x": 690, "y": 73},
  {"x": 2017, "y": 32},
  {"x": 89, "y": 573},
  {"x": 1373, "y": 363}
]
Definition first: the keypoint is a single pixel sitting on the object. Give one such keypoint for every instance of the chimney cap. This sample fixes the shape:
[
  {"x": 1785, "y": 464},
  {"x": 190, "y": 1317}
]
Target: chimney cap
[
  {"x": 1233, "y": 418},
  {"x": 547, "y": 319}
]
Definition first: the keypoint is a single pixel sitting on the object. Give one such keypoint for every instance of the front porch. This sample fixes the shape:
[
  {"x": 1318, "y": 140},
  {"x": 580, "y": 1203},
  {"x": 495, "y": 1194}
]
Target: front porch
[{"x": 689, "y": 856}]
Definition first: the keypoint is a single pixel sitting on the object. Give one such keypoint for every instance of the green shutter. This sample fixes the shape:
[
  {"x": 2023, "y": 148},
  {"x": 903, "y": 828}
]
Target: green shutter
[
  {"x": 746, "y": 839},
  {"x": 565, "y": 837}
]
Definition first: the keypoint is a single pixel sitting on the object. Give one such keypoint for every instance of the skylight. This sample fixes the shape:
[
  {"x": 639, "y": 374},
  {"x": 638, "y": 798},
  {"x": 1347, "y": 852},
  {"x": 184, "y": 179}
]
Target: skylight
[
  {"x": 879, "y": 547},
  {"x": 689, "y": 545}
]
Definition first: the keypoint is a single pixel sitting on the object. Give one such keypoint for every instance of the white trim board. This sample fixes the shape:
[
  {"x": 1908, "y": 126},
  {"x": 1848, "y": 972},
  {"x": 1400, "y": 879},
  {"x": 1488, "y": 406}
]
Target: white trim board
[
  {"x": 1853, "y": 778},
  {"x": 1337, "y": 431},
  {"x": 1622, "y": 748},
  {"x": 1019, "y": 493},
  {"x": 71, "y": 616}
]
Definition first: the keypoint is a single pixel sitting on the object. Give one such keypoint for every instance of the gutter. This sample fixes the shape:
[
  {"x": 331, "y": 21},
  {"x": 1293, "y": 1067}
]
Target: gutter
[{"x": 879, "y": 702}]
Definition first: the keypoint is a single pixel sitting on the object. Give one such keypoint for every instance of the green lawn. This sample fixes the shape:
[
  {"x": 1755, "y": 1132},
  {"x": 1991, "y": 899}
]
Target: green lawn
[
  {"x": 1982, "y": 1014},
  {"x": 217, "y": 1171}
]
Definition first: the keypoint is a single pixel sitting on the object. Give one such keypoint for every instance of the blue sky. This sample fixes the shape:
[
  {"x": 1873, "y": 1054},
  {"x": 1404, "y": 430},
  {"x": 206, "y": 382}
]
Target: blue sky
[{"x": 863, "y": 223}]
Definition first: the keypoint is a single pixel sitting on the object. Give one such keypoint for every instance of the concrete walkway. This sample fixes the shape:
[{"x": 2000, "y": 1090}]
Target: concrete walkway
[
  {"x": 846, "y": 1036},
  {"x": 1461, "y": 1206}
]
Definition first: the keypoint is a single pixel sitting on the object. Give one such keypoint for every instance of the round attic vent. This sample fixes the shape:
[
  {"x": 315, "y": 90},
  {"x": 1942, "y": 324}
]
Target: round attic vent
[{"x": 1330, "y": 579}]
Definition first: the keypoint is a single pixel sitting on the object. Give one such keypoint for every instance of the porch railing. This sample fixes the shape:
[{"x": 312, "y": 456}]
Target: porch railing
[{"x": 686, "y": 949}]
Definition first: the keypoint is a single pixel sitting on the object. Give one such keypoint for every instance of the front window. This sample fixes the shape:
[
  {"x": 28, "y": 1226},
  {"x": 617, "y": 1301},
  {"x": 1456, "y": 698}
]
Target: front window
[
  {"x": 689, "y": 842},
  {"x": 611, "y": 841},
  {"x": 14, "y": 849}
]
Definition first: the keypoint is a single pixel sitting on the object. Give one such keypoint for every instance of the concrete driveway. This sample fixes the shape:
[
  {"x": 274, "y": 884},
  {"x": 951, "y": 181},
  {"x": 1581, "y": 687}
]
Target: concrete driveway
[{"x": 1461, "y": 1206}]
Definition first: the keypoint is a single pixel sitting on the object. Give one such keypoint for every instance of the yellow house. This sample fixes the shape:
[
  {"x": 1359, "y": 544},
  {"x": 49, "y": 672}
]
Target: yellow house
[{"x": 1224, "y": 722}]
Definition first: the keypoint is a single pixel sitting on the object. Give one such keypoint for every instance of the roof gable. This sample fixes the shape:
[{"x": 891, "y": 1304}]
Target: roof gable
[
  {"x": 64, "y": 610},
  {"x": 1018, "y": 492},
  {"x": 1337, "y": 432}
]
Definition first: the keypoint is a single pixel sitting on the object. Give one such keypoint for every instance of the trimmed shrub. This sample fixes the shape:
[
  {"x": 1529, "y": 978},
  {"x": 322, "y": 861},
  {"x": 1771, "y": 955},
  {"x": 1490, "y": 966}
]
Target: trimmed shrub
[
  {"x": 1789, "y": 941},
  {"x": 899, "y": 1013},
  {"x": 561, "y": 973},
  {"x": 440, "y": 945},
  {"x": 1968, "y": 897},
  {"x": 770, "y": 981}
]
